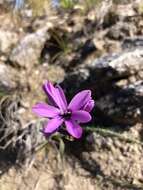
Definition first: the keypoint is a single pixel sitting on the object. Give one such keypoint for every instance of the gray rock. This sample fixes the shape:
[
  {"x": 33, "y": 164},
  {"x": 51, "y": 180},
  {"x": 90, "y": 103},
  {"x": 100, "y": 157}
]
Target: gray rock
[
  {"x": 27, "y": 52},
  {"x": 125, "y": 105},
  {"x": 127, "y": 63},
  {"x": 121, "y": 30},
  {"x": 116, "y": 83},
  {"x": 7, "y": 40},
  {"x": 131, "y": 43},
  {"x": 108, "y": 70},
  {"x": 7, "y": 76}
]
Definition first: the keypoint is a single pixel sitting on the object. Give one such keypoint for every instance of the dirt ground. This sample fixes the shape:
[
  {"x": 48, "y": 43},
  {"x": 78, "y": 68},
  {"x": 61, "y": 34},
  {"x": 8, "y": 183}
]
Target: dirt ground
[{"x": 108, "y": 163}]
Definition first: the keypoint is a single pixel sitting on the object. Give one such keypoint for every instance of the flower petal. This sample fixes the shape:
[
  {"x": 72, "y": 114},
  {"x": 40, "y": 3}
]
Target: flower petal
[
  {"x": 81, "y": 116},
  {"x": 45, "y": 110},
  {"x": 55, "y": 95},
  {"x": 73, "y": 128},
  {"x": 49, "y": 89},
  {"x": 79, "y": 100},
  {"x": 89, "y": 106},
  {"x": 53, "y": 124},
  {"x": 62, "y": 97}
]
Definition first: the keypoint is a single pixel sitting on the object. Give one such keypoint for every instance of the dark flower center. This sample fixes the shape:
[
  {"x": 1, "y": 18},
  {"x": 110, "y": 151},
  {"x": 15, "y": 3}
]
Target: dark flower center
[{"x": 66, "y": 115}]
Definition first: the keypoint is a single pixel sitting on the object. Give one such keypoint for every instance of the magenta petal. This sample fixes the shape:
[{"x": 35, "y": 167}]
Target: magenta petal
[
  {"x": 62, "y": 97},
  {"x": 73, "y": 128},
  {"x": 55, "y": 95},
  {"x": 81, "y": 116},
  {"x": 79, "y": 100},
  {"x": 89, "y": 106},
  {"x": 50, "y": 99},
  {"x": 45, "y": 110},
  {"x": 53, "y": 124},
  {"x": 50, "y": 91}
]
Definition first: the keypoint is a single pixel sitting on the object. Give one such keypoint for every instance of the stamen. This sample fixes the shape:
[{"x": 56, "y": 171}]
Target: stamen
[{"x": 66, "y": 115}]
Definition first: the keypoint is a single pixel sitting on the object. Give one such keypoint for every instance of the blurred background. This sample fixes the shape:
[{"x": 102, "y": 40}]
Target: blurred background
[{"x": 79, "y": 44}]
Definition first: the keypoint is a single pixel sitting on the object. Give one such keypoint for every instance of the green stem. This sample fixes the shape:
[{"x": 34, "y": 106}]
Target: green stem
[
  {"x": 106, "y": 133},
  {"x": 41, "y": 146}
]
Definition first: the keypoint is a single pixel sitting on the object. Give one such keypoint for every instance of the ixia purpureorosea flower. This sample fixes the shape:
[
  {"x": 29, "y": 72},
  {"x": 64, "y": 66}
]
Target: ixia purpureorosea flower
[{"x": 60, "y": 112}]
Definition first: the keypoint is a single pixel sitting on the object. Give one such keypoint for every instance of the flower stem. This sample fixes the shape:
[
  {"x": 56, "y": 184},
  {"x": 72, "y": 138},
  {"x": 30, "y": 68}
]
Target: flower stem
[{"x": 106, "y": 132}]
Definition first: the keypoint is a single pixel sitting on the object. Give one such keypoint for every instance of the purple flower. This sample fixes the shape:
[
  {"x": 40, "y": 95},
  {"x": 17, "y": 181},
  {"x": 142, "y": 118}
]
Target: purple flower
[{"x": 59, "y": 112}]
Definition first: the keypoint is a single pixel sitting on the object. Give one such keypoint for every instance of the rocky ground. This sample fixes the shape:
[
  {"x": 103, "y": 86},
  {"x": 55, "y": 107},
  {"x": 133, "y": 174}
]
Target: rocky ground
[{"x": 100, "y": 49}]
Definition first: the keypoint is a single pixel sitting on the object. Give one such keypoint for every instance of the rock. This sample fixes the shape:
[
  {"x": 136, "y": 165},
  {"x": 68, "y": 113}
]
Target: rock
[
  {"x": 125, "y": 10},
  {"x": 124, "y": 106},
  {"x": 116, "y": 83},
  {"x": 115, "y": 33},
  {"x": 7, "y": 40},
  {"x": 121, "y": 30},
  {"x": 7, "y": 77},
  {"x": 88, "y": 48},
  {"x": 122, "y": 64},
  {"x": 102, "y": 11},
  {"x": 131, "y": 43},
  {"x": 108, "y": 70},
  {"x": 27, "y": 52}
]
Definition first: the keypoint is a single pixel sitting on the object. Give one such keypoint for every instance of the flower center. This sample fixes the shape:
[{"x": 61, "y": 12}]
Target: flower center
[{"x": 66, "y": 115}]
